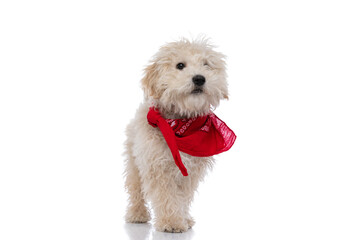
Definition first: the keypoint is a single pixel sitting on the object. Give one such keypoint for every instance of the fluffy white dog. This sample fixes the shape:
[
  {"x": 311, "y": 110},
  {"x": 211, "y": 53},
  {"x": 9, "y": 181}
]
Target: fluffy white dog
[{"x": 184, "y": 80}]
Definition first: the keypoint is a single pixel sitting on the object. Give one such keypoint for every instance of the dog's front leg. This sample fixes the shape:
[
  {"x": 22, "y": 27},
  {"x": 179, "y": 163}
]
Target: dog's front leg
[
  {"x": 170, "y": 204},
  {"x": 170, "y": 211}
]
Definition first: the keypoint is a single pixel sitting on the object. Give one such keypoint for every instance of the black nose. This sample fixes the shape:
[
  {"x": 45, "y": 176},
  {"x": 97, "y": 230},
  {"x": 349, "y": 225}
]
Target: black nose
[{"x": 198, "y": 80}]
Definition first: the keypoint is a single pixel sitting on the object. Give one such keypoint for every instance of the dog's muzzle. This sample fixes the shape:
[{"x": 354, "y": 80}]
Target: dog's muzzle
[{"x": 199, "y": 81}]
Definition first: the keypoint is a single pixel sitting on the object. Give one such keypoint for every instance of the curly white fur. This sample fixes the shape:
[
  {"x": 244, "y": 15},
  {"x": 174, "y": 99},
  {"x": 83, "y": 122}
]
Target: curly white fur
[{"x": 151, "y": 173}]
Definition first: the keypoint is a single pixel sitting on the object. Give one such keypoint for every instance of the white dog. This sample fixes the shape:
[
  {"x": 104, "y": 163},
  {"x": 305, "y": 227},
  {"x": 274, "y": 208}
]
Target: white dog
[{"x": 183, "y": 82}]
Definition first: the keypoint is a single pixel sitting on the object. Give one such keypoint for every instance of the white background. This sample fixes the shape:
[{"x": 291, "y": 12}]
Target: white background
[{"x": 69, "y": 84}]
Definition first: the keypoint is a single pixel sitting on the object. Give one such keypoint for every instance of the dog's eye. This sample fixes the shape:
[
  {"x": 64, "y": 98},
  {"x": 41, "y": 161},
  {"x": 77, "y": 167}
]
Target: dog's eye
[
  {"x": 180, "y": 66},
  {"x": 207, "y": 65}
]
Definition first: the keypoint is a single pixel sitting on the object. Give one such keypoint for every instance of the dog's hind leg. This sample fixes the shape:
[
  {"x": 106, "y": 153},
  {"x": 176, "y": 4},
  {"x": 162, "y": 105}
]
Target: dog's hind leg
[{"x": 137, "y": 211}]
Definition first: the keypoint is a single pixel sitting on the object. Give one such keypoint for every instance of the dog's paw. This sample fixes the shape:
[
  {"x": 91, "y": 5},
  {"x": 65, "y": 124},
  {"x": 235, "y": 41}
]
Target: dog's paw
[
  {"x": 190, "y": 222},
  {"x": 140, "y": 218},
  {"x": 137, "y": 215},
  {"x": 171, "y": 226}
]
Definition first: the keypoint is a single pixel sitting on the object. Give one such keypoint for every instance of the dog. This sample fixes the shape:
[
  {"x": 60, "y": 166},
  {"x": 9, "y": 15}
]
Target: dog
[{"x": 183, "y": 82}]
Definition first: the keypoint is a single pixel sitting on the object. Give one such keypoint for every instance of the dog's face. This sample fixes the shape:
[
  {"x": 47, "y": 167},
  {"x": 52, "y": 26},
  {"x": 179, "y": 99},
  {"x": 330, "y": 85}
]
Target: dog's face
[{"x": 186, "y": 78}]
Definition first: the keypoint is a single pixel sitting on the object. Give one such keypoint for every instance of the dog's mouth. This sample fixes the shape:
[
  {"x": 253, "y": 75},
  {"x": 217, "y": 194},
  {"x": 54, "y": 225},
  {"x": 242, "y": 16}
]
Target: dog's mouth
[{"x": 197, "y": 91}]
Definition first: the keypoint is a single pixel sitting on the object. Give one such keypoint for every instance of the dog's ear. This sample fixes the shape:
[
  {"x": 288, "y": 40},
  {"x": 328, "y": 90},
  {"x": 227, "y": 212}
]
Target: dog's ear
[
  {"x": 225, "y": 93},
  {"x": 149, "y": 81}
]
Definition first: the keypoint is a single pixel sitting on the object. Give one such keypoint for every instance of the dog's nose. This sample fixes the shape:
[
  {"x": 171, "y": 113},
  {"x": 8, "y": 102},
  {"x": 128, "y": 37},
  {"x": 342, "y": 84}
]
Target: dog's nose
[{"x": 198, "y": 80}]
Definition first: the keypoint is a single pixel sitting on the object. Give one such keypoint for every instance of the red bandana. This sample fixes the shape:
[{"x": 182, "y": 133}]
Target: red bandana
[{"x": 200, "y": 136}]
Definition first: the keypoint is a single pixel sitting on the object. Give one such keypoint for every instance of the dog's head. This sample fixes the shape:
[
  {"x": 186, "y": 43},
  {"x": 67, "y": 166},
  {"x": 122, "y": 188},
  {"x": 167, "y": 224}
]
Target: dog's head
[{"x": 186, "y": 78}]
